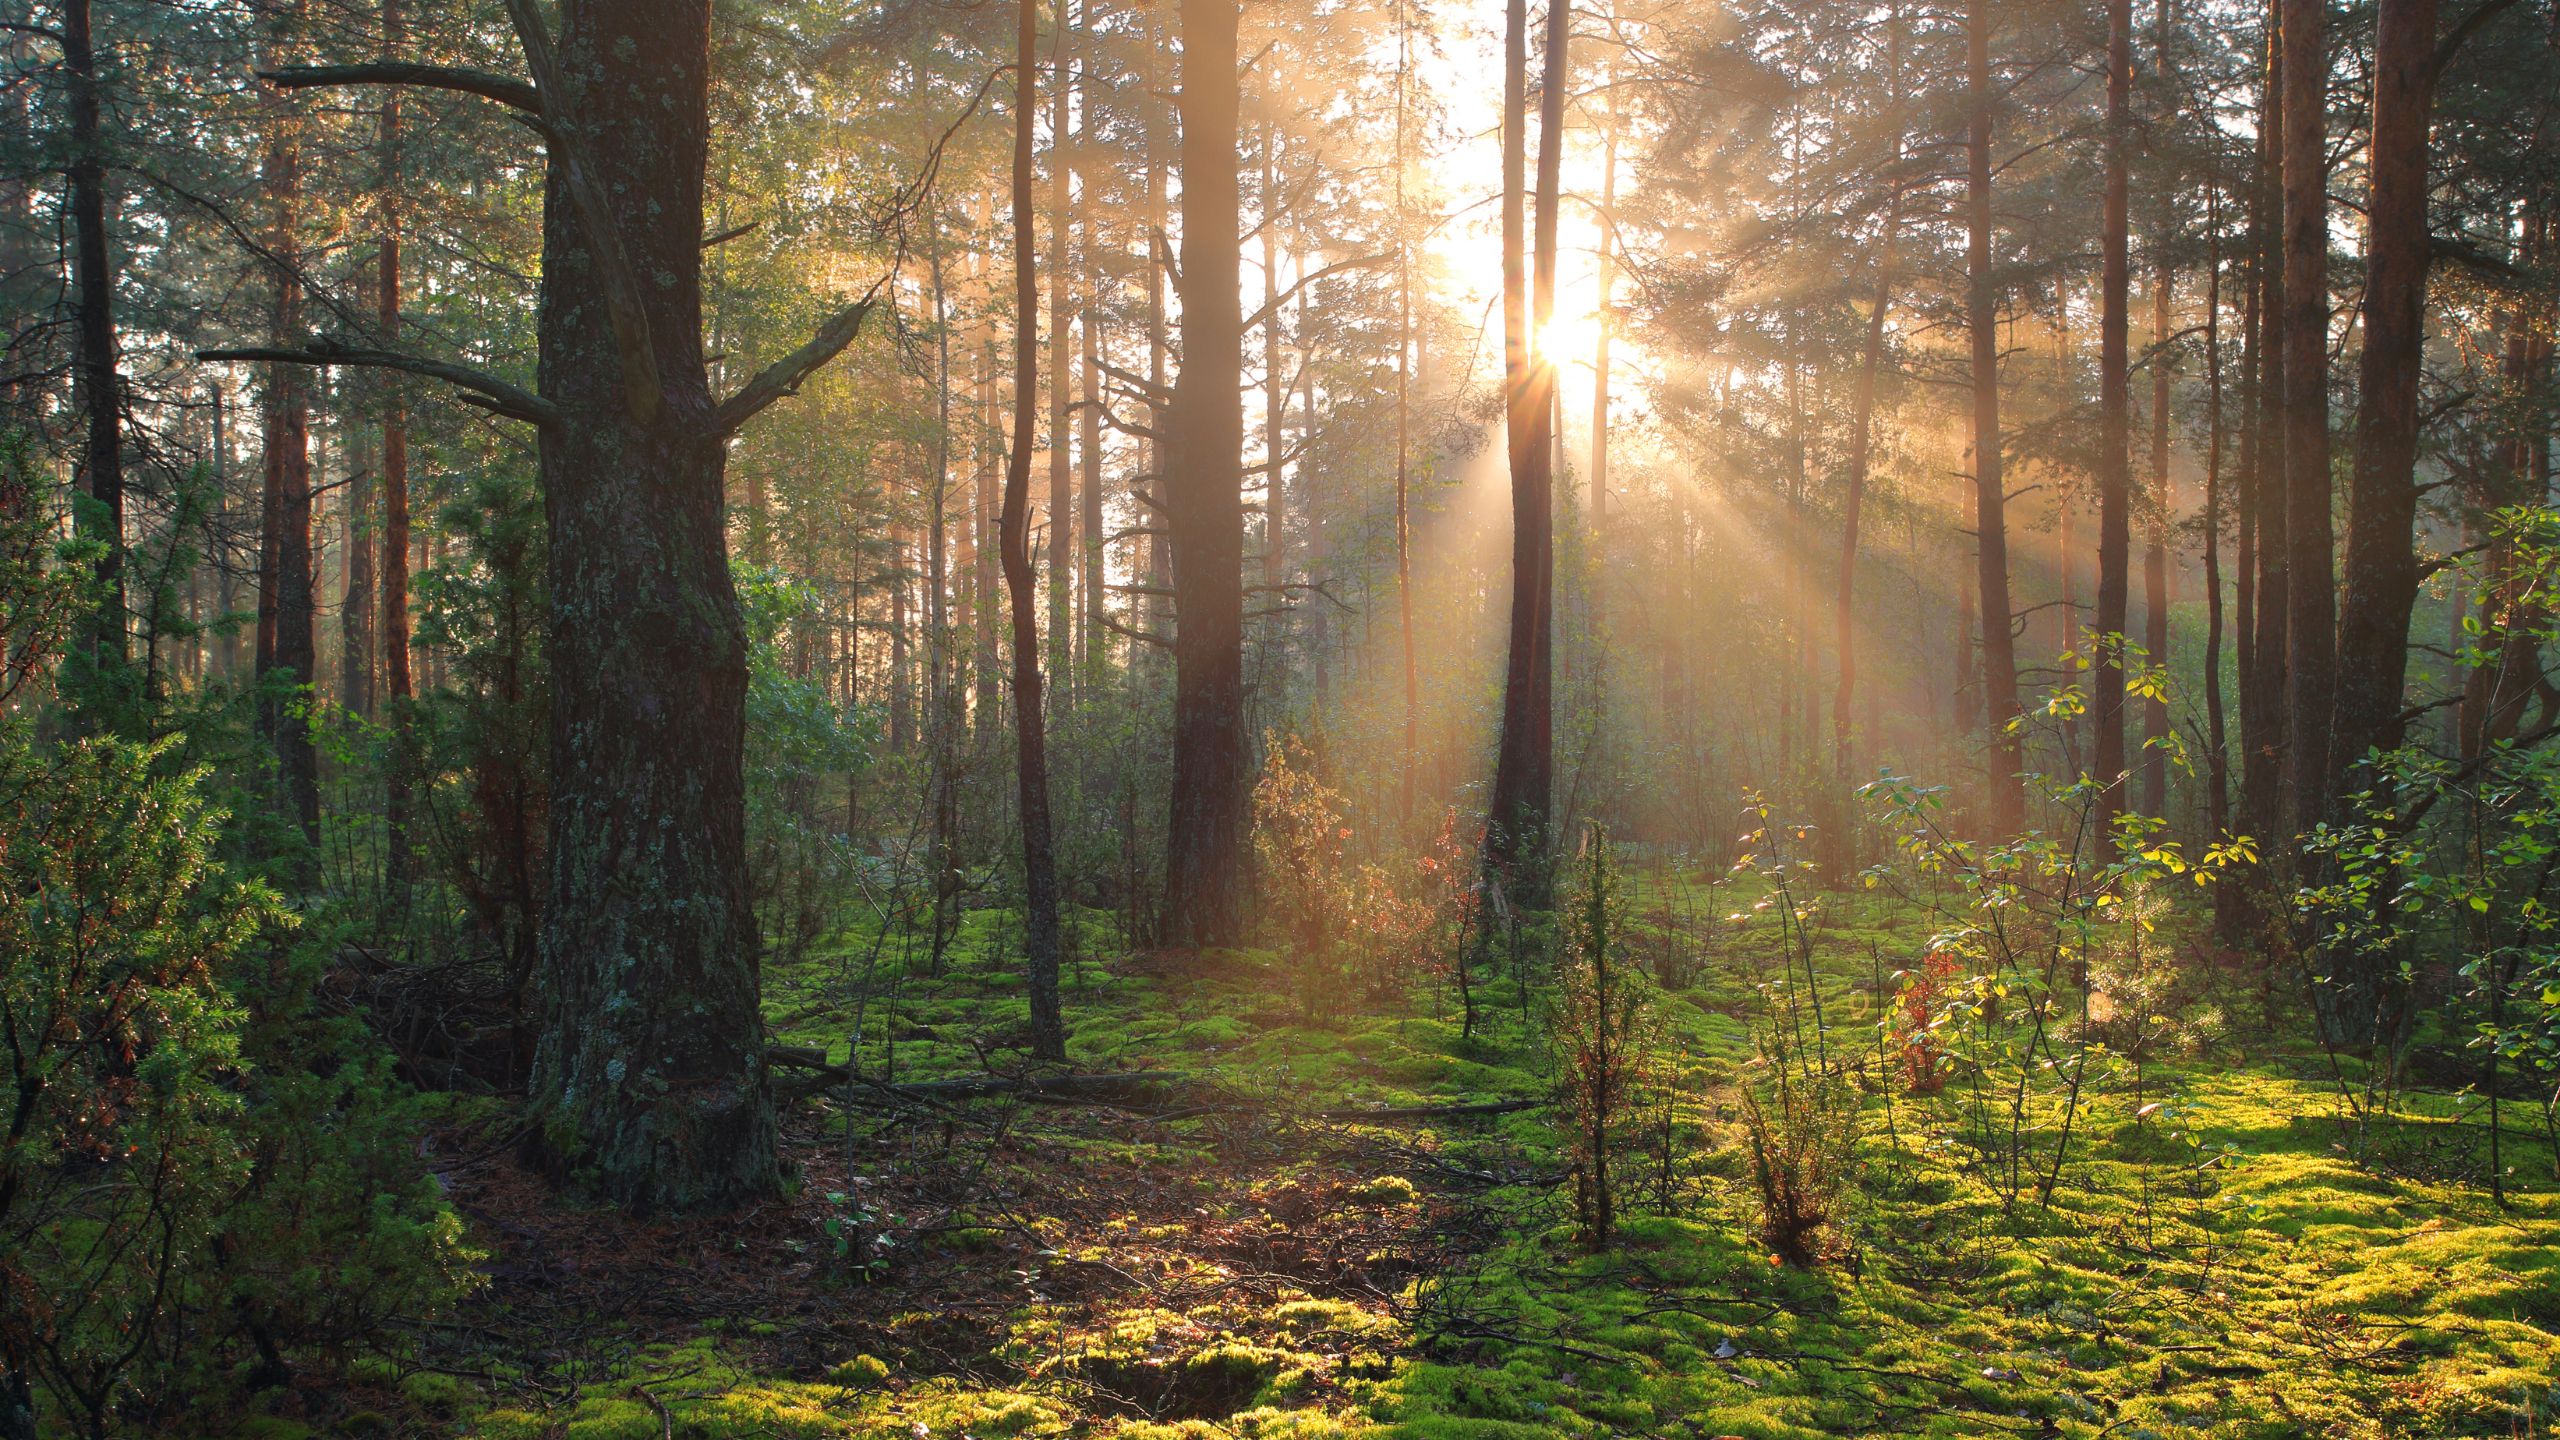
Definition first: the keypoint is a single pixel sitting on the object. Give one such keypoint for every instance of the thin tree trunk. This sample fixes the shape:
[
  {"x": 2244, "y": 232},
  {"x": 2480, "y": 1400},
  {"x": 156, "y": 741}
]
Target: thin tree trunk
[
  {"x": 285, "y": 671},
  {"x": 1275, "y": 385},
  {"x": 942, "y": 681},
  {"x": 2311, "y": 619},
  {"x": 101, "y": 390},
  {"x": 1862, "y": 407},
  {"x": 1411, "y": 755},
  {"x": 2217, "y": 758},
  {"x": 2115, "y": 461},
  {"x": 1031, "y": 749},
  {"x": 1095, "y": 641},
  {"x": 2230, "y": 905},
  {"x": 1605, "y": 324},
  {"x": 2155, "y": 561},
  {"x": 2264, "y": 690},
  {"x": 396, "y": 685},
  {"x": 983, "y": 540},
  {"x": 1999, "y": 655},
  {"x": 1061, "y": 507}
]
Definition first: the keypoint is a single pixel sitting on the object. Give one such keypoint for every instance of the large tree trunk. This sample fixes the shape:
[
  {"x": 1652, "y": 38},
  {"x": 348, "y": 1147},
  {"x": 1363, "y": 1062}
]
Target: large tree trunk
[
  {"x": 1516, "y": 834},
  {"x": 2382, "y": 561},
  {"x": 2311, "y": 618},
  {"x": 2008, "y": 809},
  {"x": 1203, "y": 484},
  {"x": 649, "y": 1083},
  {"x": 1030, "y": 732},
  {"x": 2115, "y": 462},
  {"x": 101, "y": 392}
]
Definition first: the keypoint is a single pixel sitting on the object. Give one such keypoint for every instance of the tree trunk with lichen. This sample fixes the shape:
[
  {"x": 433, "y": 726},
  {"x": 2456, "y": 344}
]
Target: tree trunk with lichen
[{"x": 649, "y": 1083}]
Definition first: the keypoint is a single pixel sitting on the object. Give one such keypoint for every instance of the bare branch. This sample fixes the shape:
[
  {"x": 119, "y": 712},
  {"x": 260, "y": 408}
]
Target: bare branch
[
  {"x": 483, "y": 389},
  {"x": 785, "y": 376},
  {"x": 1153, "y": 392},
  {"x": 1147, "y": 637},
  {"x": 2463, "y": 30},
  {"x": 505, "y": 89},
  {"x": 1285, "y": 296}
]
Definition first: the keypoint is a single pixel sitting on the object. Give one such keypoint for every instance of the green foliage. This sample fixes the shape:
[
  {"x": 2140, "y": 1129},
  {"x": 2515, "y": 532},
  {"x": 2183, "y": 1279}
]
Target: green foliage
[
  {"x": 1300, "y": 838},
  {"x": 797, "y": 733},
  {"x": 484, "y": 740},
  {"x": 125, "y": 1147},
  {"x": 202, "y": 1159}
]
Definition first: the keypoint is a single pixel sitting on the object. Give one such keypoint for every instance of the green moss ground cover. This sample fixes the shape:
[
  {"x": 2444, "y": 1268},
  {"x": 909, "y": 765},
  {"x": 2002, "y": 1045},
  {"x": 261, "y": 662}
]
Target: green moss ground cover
[{"x": 2222, "y": 1253}]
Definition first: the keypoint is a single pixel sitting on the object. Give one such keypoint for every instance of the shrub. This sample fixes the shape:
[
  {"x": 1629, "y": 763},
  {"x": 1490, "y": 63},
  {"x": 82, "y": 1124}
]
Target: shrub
[
  {"x": 1803, "y": 1132},
  {"x": 123, "y": 1144},
  {"x": 1298, "y": 836},
  {"x": 1607, "y": 1031}
]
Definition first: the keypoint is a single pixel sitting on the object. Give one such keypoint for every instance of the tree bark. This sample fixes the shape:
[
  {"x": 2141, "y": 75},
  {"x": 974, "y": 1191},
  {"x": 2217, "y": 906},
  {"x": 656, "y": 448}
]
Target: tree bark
[
  {"x": 2000, "y": 711},
  {"x": 2311, "y": 618},
  {"x": 944, "y": 695},
  {"x": 1061, "y": 575},
  {"x": 2115, "y": 461},
  {"x": 2154, "y": 763},
  {"x": 1516, "y": 832},
  {"x": 1275, "y": 385},
  {"x": 1203, "y": 484},
  {"x": 396, "y": 685},
  {"x": 2217, "y": 757},
  {"x": 1030, "y": 734},
  {"x": 1862, "y": 407},
  {"x": 2263, "y": 689},
  {"x": 286, "y": 660},
  {"x": 1411, "y": 754},
  {"x": 101, "y": 389},
  {"x": 649, "y": 1085},
  {"x": 355, "y": 601},
  {"x": 2382, "y": 562}
]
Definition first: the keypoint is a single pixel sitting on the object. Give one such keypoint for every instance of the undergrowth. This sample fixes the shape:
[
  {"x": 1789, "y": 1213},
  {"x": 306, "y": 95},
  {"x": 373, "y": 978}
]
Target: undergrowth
[{"x": 2217, "y": 1252}]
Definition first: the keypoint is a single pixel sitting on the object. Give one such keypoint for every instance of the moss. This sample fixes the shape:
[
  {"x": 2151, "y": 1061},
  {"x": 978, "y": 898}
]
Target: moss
[
  {"x": 1384, "y": 1190},
  {"x": 860, "y": 1372}
]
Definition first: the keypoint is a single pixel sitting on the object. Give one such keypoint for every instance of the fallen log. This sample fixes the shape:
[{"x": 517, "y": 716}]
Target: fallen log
[
  {"x": 1115, "y": 1087},
  {"x": 1430, "y": 1112},
  {"x": 1105, "y": 1087}
]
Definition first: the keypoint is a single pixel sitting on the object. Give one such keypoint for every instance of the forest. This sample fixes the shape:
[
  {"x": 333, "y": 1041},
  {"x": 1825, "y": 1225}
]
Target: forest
[{"x": 1279, "y": 719}]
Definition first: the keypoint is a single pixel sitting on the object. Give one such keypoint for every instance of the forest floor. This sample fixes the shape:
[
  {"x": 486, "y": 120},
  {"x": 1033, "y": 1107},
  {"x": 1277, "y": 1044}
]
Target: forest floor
[{"x": 2221, "y": 1253}]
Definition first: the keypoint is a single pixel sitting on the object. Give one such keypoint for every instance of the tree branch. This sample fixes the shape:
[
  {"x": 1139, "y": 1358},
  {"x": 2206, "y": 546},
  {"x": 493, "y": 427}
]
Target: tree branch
[
  {"x": 2462, "y": 32},
  {"x": 785, "y": 376},
  {"x": 505, "y": 89},
  {"x": 483, "y": 389},
  {"x": 1285, "y": 296}
]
